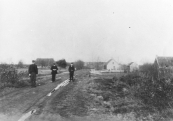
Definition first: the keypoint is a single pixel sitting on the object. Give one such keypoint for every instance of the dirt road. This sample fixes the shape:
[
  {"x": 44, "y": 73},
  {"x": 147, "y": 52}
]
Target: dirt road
[{"x": 16, "y": 102}]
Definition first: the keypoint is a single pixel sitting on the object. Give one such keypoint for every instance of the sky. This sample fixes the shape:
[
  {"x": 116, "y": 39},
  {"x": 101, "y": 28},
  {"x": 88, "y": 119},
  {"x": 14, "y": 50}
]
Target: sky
[{"x": 90, "y": 30}]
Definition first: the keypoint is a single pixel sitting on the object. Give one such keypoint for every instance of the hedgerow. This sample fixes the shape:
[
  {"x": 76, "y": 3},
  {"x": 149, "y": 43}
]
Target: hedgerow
[
  {"x": 138, "y": 93},
  {"x": 9, "y": 77},
  {"x": 156, "y": 93}
]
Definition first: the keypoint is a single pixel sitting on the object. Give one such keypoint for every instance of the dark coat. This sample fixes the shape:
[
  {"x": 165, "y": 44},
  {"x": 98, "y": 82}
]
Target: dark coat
[
  {"x": 71, "y": 68},
  {"x": 54, "y": 71},
  {"x": 33, "y": 69}
]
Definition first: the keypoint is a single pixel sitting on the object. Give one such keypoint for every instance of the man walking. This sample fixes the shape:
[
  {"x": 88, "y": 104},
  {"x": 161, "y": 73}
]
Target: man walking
[
  {"x": 71, "y": 70},
  {"x": 54, "y": 69},
  {"x": 33, "y": 70}
]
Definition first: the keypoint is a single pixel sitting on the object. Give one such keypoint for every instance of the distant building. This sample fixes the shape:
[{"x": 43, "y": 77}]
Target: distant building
[
  {"x": 95, "y": 65},
  {"x": 163, "y": 67},
  {"x": 44, "y": 62},
  {"x": 113, "y": 66},
  {"x": 131, "y": 67}
]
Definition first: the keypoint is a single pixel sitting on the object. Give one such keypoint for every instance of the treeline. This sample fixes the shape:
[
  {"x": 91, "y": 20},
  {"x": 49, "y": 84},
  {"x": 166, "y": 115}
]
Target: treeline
[
  {"x": 62, "y": 63},
  {"x": 79, "y": 64},
  {"x": 44, "y": 62},
  {"x": 47, "y": 62}
]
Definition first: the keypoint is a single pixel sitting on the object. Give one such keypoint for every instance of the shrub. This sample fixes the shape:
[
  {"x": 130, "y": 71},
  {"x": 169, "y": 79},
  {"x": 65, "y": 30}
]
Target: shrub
[
  {"x": 22, "y": 83},
  {"x": 156, "y": 93},
  {"x": 79, "y": 64},
  {"x": 9, "y": 77},
  {"x": 62, "y": 63},
  {"x": 131, "y": 79}
]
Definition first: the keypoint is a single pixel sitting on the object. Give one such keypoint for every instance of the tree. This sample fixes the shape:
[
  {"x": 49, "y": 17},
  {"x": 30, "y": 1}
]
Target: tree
[
  {"x": 79, "y": 64},
  {"x": 20, "y": 64},
  {"x": 124, "y": 67},
  {"x": 147, "y": 68},
  {"x": 62, "y": 63},
  {"x": 44, "y": 61}
]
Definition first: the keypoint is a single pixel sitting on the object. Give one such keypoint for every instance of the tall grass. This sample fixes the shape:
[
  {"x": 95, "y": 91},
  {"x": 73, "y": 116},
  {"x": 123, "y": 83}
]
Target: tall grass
[
  {"x": 137, "y": 93},
  {"x": 156, "y": 94}
]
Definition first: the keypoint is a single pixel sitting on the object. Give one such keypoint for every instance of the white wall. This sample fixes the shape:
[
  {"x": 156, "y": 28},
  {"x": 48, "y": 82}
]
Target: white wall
[
  {"x": 133, "y": 67},
  {"x": 113, "y": 65}
]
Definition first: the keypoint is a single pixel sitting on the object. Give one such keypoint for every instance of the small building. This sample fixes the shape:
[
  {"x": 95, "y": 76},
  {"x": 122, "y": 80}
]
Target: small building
[
  {"x": 163, "y": 67},
  {"x": 131, "y": 67},
  {"x": 44, "y": 62},
  {"x": 113, "y": 66},
  {"x": 95, "y": 65}
]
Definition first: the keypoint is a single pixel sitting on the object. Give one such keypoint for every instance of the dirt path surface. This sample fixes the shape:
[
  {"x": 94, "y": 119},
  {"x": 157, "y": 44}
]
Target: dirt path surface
[
  {"x": 66, "y": 101},
  {"x": 16, "y": 101}
]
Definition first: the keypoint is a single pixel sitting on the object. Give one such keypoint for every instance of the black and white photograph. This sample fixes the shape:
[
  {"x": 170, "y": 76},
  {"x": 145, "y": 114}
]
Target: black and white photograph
[{"x": 86, "y": 60}]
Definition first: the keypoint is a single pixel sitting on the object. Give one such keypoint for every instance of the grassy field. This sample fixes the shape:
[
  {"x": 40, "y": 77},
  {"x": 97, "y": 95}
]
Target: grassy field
[
  {"x": 42, "y": 71},
  {"x": 116, "y": 74},
  {"x": 109, "y": 75}
]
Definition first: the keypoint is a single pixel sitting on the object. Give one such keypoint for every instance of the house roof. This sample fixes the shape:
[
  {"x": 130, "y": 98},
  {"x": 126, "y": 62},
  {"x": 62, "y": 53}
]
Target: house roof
[
  {"x": 110, "y": 61},
  {"x": 164, "y": 61},
  {"x": 130, "y": 63}
]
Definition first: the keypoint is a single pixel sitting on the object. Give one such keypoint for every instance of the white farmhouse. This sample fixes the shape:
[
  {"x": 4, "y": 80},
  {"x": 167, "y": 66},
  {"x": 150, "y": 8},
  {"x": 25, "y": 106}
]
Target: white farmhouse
[
  {"x": 113, "y": 66},
  {"x": 132, "y": 67}
]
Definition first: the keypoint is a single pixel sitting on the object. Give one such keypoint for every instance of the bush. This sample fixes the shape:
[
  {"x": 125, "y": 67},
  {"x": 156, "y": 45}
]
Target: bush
[
  {"x": 156, "y": 93},
  {"x": 148, "y": 69},
  {"x": 22, "y": 83},
  {"x": 20, "y": 64},
  {"x": 9, "y": 77},
  {"x": 79, "y": 64},
  {"x": 131, "y": 79},
  {"x": 62, "y": 63}
]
